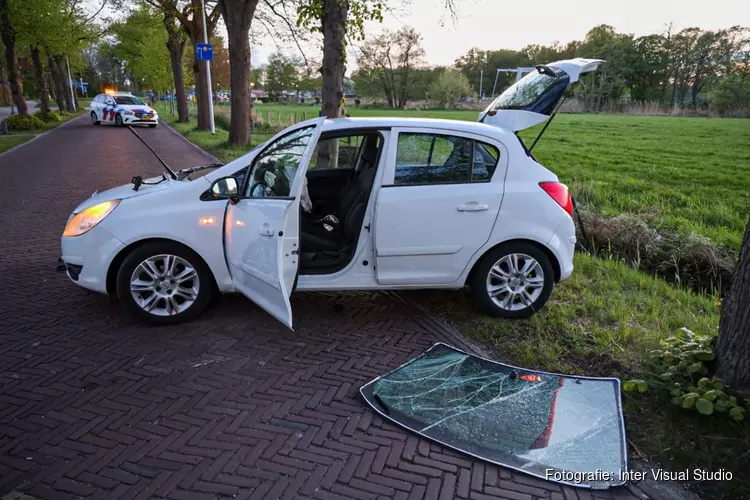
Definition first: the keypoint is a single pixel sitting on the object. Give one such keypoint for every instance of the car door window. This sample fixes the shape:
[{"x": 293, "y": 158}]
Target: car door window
[
  {"x": 442, "y": 159},
  {"x": 273, "y": 170},
  {"x": 336, "y": 153}
]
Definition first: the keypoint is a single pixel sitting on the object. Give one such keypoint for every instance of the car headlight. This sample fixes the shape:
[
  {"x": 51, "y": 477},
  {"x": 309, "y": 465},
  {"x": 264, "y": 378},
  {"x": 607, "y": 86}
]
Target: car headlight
[
  {"x": 128, "y": 112},
  {"x": 86, "y": 219}
]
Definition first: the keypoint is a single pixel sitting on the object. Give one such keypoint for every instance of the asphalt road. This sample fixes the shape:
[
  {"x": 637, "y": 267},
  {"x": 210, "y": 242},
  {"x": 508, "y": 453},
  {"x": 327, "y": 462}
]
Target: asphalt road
[{"x": 231, "y": 405}]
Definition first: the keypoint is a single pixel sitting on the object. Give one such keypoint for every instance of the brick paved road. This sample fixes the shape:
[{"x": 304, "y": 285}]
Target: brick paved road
[{"x": 231, "y": 405}]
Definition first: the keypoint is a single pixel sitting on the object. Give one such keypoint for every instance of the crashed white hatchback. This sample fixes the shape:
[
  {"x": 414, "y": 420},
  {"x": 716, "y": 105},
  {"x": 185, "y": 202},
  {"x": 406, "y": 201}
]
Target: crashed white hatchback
[{"x": 343, "y": 204}]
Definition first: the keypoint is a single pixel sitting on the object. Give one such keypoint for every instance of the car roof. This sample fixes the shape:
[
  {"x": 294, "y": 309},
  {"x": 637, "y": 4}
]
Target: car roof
[{"x": 335, "y": 124}]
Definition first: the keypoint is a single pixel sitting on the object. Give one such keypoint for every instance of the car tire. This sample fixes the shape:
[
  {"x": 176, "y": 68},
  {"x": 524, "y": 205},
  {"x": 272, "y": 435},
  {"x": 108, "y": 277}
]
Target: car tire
[
  {"x": 94, "y": 120},
  {"x": 514, "y": 280},
  {"x": 152, "y": 125},
  {"x": 151, "y": 290},
  {"x": 118, "y": 120}
]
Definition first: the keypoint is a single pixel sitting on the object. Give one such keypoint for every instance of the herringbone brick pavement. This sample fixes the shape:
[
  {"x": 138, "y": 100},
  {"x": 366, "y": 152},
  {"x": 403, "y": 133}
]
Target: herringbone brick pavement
[{"x": 231, "y": 405}]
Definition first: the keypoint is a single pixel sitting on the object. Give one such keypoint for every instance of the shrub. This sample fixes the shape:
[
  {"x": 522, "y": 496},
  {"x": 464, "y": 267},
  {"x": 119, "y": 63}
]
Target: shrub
[
  {"x": 52, "y": 116},
  {"x": 18, "y": 122},
  {"x": 678, "y": 363}
]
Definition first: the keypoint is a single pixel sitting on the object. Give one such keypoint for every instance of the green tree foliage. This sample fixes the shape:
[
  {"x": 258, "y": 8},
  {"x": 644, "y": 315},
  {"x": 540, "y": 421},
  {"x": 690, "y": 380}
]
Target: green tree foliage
[
  {"x": 281, "y": 74},
  {"x": 450, "y": 88},
  {"x": 140, "y": 46}
]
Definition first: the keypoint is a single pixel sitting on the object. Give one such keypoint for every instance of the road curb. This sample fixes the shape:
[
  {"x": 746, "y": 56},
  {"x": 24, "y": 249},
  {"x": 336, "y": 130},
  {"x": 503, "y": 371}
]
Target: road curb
[
  {"x": 41, "y": 135},
  {"x": 195, "y": 146}
]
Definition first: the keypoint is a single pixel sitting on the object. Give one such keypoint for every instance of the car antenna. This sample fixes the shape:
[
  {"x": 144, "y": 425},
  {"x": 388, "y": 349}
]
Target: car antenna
[{"x": 171, "y": 172}]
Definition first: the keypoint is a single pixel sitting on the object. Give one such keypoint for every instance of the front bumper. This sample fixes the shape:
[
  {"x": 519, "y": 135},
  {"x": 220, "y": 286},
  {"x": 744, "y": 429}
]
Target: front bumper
[
  {"x": 87, "y": 258},
  {"x": 133, "y": 119}
]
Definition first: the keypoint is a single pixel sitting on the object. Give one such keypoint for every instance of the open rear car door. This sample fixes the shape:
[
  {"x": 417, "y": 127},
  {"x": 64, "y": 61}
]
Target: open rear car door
[
  {"x": 262, "y": 227},
  {"x": 535, "y": 97}
]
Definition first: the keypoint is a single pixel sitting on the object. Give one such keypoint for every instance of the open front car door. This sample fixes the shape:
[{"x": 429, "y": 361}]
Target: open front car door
[
  {"x": 262, "y": 222},
  {"x": 534, "y": 98}
]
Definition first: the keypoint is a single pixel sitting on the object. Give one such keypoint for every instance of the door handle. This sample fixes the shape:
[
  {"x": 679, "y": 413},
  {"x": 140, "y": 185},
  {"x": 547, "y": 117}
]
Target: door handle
[
  {"x": 472, "y": 207},
  {"x": 265, "y": 230}
]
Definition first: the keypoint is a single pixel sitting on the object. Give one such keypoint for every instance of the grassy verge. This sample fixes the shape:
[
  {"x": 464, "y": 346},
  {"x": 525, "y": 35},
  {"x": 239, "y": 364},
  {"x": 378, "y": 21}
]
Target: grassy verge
[
  {"x": 604, "y": 321},
  {"x": 216, "y": 144},
  {"x": 16, "y": 138}
]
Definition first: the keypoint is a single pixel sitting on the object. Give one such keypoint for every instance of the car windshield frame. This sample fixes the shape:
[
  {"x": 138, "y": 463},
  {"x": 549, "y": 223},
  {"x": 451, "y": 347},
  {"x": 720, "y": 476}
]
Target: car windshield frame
[{"x": 136, "y": 100}]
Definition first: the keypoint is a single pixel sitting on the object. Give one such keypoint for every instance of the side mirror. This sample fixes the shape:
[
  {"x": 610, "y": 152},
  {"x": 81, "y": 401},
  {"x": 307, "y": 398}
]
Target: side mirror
[{"x": 225, "y": 188}]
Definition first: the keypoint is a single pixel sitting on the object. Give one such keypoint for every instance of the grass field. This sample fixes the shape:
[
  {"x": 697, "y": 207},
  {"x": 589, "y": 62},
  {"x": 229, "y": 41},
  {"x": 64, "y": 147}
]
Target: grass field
[{"x": 692, "y": 174}]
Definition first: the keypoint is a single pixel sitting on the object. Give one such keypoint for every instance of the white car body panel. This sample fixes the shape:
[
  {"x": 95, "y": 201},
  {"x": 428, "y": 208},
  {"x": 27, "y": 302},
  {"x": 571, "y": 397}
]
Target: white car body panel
[
  {"x": 262, "y": 240},
  {"x": 393, "y": 251}
]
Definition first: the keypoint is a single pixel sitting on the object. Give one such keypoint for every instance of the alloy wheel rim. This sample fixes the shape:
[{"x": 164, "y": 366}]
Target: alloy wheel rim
[
  {"x": 164, "y": 285},
  {"x": 515, "y": 281}
]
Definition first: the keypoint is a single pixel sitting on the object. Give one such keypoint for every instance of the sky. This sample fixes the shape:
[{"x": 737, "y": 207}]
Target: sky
[{"x": 495, "y": 24}]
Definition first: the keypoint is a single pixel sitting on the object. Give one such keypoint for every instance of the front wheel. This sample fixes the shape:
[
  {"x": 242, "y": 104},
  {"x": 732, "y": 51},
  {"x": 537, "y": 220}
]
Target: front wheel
[
  {"x": 94, "y": 119},
  {"x": 164, "y": 283},
  {"x": 118, "y": 120},
  {"x": 513, "y": 281}
]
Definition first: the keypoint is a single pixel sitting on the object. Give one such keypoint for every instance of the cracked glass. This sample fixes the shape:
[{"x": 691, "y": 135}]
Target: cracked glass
[{"x": 561, "y": 428}]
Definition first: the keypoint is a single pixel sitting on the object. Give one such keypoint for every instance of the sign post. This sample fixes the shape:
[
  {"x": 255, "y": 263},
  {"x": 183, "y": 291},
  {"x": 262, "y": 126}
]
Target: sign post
[{"x": 204, "y": 52}]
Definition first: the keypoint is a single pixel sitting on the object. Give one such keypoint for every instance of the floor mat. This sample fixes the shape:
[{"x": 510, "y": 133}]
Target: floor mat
[{"x": 565, "y": 429}]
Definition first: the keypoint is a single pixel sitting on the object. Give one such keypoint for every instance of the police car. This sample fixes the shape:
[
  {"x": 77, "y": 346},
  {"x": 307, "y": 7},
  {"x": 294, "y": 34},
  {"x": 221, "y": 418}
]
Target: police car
[{"x": 122, "y": 108}]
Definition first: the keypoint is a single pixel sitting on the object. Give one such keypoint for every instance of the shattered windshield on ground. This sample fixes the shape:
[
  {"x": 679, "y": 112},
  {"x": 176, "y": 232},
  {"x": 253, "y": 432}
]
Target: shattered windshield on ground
[{"x": 536, "y": 422}]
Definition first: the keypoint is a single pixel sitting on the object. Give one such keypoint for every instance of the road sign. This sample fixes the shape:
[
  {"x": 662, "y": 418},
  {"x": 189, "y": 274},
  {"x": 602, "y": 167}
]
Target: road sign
[{"x": 204, "y": 52}]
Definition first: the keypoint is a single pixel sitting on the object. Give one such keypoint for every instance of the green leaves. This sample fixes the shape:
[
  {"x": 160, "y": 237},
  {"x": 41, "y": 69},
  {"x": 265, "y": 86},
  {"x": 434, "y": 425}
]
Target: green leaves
[
  {"x": 635, "y": 385},
  {"x": 737, "y": 413},
  {"x": 683, "y": 357},
  {"x": 703, "y": 406}
]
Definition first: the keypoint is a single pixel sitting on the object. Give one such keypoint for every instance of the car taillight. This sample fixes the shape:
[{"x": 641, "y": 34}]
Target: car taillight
[{"x": 559, "y": 192}]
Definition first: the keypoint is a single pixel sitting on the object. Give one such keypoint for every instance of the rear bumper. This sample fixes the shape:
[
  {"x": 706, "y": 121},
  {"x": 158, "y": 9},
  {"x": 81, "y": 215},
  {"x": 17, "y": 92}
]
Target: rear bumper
[{"x": 563, "y": 245}]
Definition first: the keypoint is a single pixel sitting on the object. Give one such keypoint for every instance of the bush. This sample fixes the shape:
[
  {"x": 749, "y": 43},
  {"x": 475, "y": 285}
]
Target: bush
[
  {"x": 18, "y": 122},
  {"x": 52, "y": 116},
  {"x": 682, "y": 365}
]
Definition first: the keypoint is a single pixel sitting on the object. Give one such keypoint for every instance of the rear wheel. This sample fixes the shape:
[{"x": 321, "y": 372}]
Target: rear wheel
[
  {"x": 118, "y": 120},
  {"x": 94, "y": 120},
  {"x": 152, "y": 125},
  {"x": 164, "y": 283},
  {"x": 513, "y": 281}
]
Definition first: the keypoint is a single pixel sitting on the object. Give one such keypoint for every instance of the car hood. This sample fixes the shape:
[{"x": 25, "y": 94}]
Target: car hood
[{"x": 126, "y": 191}]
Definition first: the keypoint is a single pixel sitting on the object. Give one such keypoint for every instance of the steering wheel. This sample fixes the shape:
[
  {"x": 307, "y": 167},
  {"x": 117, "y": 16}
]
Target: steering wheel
[{"x": 264, "y": 186}]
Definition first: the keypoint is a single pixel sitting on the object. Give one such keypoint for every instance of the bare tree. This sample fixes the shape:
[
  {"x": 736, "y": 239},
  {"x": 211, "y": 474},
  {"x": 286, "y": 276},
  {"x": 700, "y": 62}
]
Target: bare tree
[{"x": 392, "y": 57}]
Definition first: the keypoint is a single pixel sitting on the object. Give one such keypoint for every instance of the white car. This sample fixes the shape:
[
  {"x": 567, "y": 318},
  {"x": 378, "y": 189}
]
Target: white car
[
  {"x": 122, "y": 108},
  {"x": 343, "y": 204}
]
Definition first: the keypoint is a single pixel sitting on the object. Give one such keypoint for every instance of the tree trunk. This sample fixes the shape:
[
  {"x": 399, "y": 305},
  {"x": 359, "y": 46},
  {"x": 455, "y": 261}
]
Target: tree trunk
[
  {"x": 733, "y": 344},
  {"x": 333, "y": 70},
  {"x": 176, "y": 47},
  {"x": 64, "y": 84},
  {"x": 8, "y": 35},
  {"x": 238, "y": 16},
  {"x": 41, "y": 80},
  {"x": 201, "y": 95},
  {"x": 56, "y": 82},
  {"x": 334, "y": 55}
]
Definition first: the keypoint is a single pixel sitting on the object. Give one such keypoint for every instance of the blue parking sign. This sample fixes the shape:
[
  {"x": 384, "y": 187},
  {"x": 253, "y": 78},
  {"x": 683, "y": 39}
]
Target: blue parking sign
[{"x": 204, "y": 52}]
